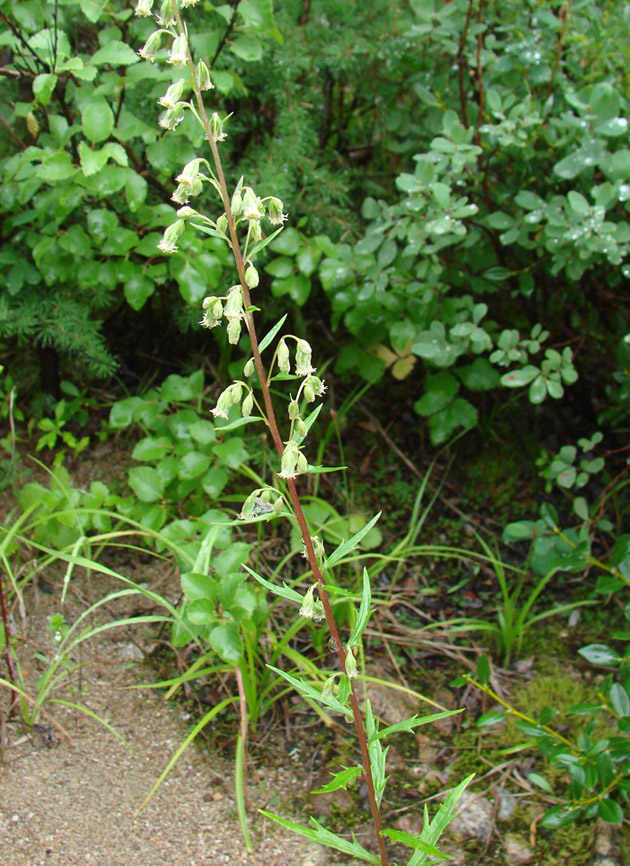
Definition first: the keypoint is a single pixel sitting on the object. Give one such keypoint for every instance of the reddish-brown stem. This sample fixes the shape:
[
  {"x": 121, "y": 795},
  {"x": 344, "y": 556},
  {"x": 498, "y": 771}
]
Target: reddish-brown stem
[
  {"x": 461, "y": 64},
  {"x": 277, "y": 439}
]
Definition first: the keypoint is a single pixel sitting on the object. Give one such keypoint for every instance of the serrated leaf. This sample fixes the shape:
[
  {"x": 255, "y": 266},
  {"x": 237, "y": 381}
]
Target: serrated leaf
[{"x": 340, "y": 780}]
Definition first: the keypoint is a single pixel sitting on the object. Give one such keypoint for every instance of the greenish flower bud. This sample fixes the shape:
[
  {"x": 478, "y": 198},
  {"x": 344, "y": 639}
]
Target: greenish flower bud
[
  {"x": 351, "y": 664},
  {"x": 173, "y": 117},
  {"x": 223, "y": 404},
  {"x": 300, "y": 428},
  {"x": 318, "y": 548},
  {"x": 283, "y": 356},
  {"x": 316, "y": 385},
  {"x": 180, "y": 196},
  {"x": 301, "y": 464},
  {"x": 234, "y": 331},
  {"x": 248, "y": 405},
  {"x": 312, "y": 608},
  {"x": 185, "y": 213},
  {"x": 274, "y": 211},
  {"x": 189, "y": 173},
  {"x": 213, "y": 312},
  {"x": 236, "y": 205},
  {"x": 309, "y": 394},
  {"x": 255, "y": 231},
  {"x": 174, "y": 94},
  {"x": 168, "y": 244},
  {"x": 216, "y": 128},
  {"x": 303, "y": 355},
  {"x": 289, "y": 459},
  {"x": 178, "y": 55},
  {"x": 249, "y": 368},
  {"x": 222, "y": 224},
  {"x": 236, "y": 392},
  {"x": 294, "y": 410},
  {"x": 329, "y": 687},
  {"x": 253, "y": 208},
  {"x": 203, "y": 76},
  {"x": 251, "y": 277},
  {"x": 152, "y": 46},
  {"x": 234, "y": 303},
  {"x": 166, "y": 17},
  {"x": 144, "y": 8}
]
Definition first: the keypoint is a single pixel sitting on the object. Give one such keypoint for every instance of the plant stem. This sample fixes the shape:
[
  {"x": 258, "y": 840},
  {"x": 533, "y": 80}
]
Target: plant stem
[{"x": 277, "y": 440}]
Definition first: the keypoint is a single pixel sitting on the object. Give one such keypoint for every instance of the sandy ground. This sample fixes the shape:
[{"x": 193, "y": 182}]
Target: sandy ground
[{"x": 70, "y": 800}]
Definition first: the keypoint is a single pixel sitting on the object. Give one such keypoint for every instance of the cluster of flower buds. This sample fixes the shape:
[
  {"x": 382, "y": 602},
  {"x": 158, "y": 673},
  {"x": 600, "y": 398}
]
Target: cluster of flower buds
[
  {"x": 246, "y": 205},
  {"x": 232, "y": 395},
  {"x": 189, "y": 181},
  {"x": 212, "y": 312},
  {"x": 312, "y": 608},
  {"x": 292, "y": 462},
  {"x": 318, "y": 548},
  {"x": 168, "y": 244},
  {"x": 265, "y": 501}
]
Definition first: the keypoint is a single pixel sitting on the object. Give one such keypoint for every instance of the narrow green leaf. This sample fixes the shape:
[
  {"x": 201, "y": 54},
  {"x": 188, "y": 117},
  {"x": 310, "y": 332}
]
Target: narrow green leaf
[
  {"x": 363, "y": 614},
  {"x": 269, "y": 337},
  {"x": 324, "y": 837},
  {"x": 347, "y": 547}
]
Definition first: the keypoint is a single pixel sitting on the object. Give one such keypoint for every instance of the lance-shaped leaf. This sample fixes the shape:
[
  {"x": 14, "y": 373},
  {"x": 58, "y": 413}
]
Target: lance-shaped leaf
[
  {"x": 348, "y": 546},
  {"x": 363, "y": 614},
  {"x": 313, "y": 693},
  {"x": 323, "y": 836},
  {"x": 268, "y": 338},
  {"x": 284, "y": 591},
  {"x": 340, "y": 780}
]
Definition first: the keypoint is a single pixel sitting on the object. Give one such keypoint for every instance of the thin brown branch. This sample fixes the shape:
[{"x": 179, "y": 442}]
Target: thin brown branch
[{"x": 462, "y": 64}]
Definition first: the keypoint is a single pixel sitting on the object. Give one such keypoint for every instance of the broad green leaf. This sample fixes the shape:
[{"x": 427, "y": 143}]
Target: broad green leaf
[
  {"x": 600, "y": 654},
  {"x": 151, "y": 449},
  {"x": 146, "y": 483},
  {"x": 619, "y": 700},
  {"x": 196, "y": 586},
  {"x": 610, "y": 811},
  {"x": 97, "y": 120},
  {"x": 138, "y": 289},
  {"x": 214, "y": 481},
  {"x": 192, "y": 465},
  {"x": 92, "y": 161},
  {"x": 540, "y": 781},
  {"x": 518, "y": 378},
  {"x": 115, "y": 53},
  {"x": 122, "y": 412},
  {"x": 226, "y": 641},
  {"x": 43, "y": 86},
  {"x": 247, "y": 47}
]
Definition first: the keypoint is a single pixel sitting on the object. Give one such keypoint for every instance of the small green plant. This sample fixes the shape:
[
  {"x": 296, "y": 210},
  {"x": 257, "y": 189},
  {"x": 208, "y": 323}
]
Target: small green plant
[
  {"x": 597, "y": 768},
  {"x": 240, "y": 226},
  {"x": 564, "y": 469}
]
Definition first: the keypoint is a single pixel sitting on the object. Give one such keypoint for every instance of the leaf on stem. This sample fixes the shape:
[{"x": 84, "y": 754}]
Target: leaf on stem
[
  {"x": 323, "y": 836},
  {"x": 347, "y": 547}
]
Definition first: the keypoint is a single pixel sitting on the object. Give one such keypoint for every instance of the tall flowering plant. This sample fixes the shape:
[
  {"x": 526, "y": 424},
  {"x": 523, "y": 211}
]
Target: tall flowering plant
[{"x": 247, "y": 223}]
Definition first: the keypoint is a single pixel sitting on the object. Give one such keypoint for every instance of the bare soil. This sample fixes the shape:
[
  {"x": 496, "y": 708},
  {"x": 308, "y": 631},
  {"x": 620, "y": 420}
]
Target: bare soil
[{"x": 70, "y": 790}]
